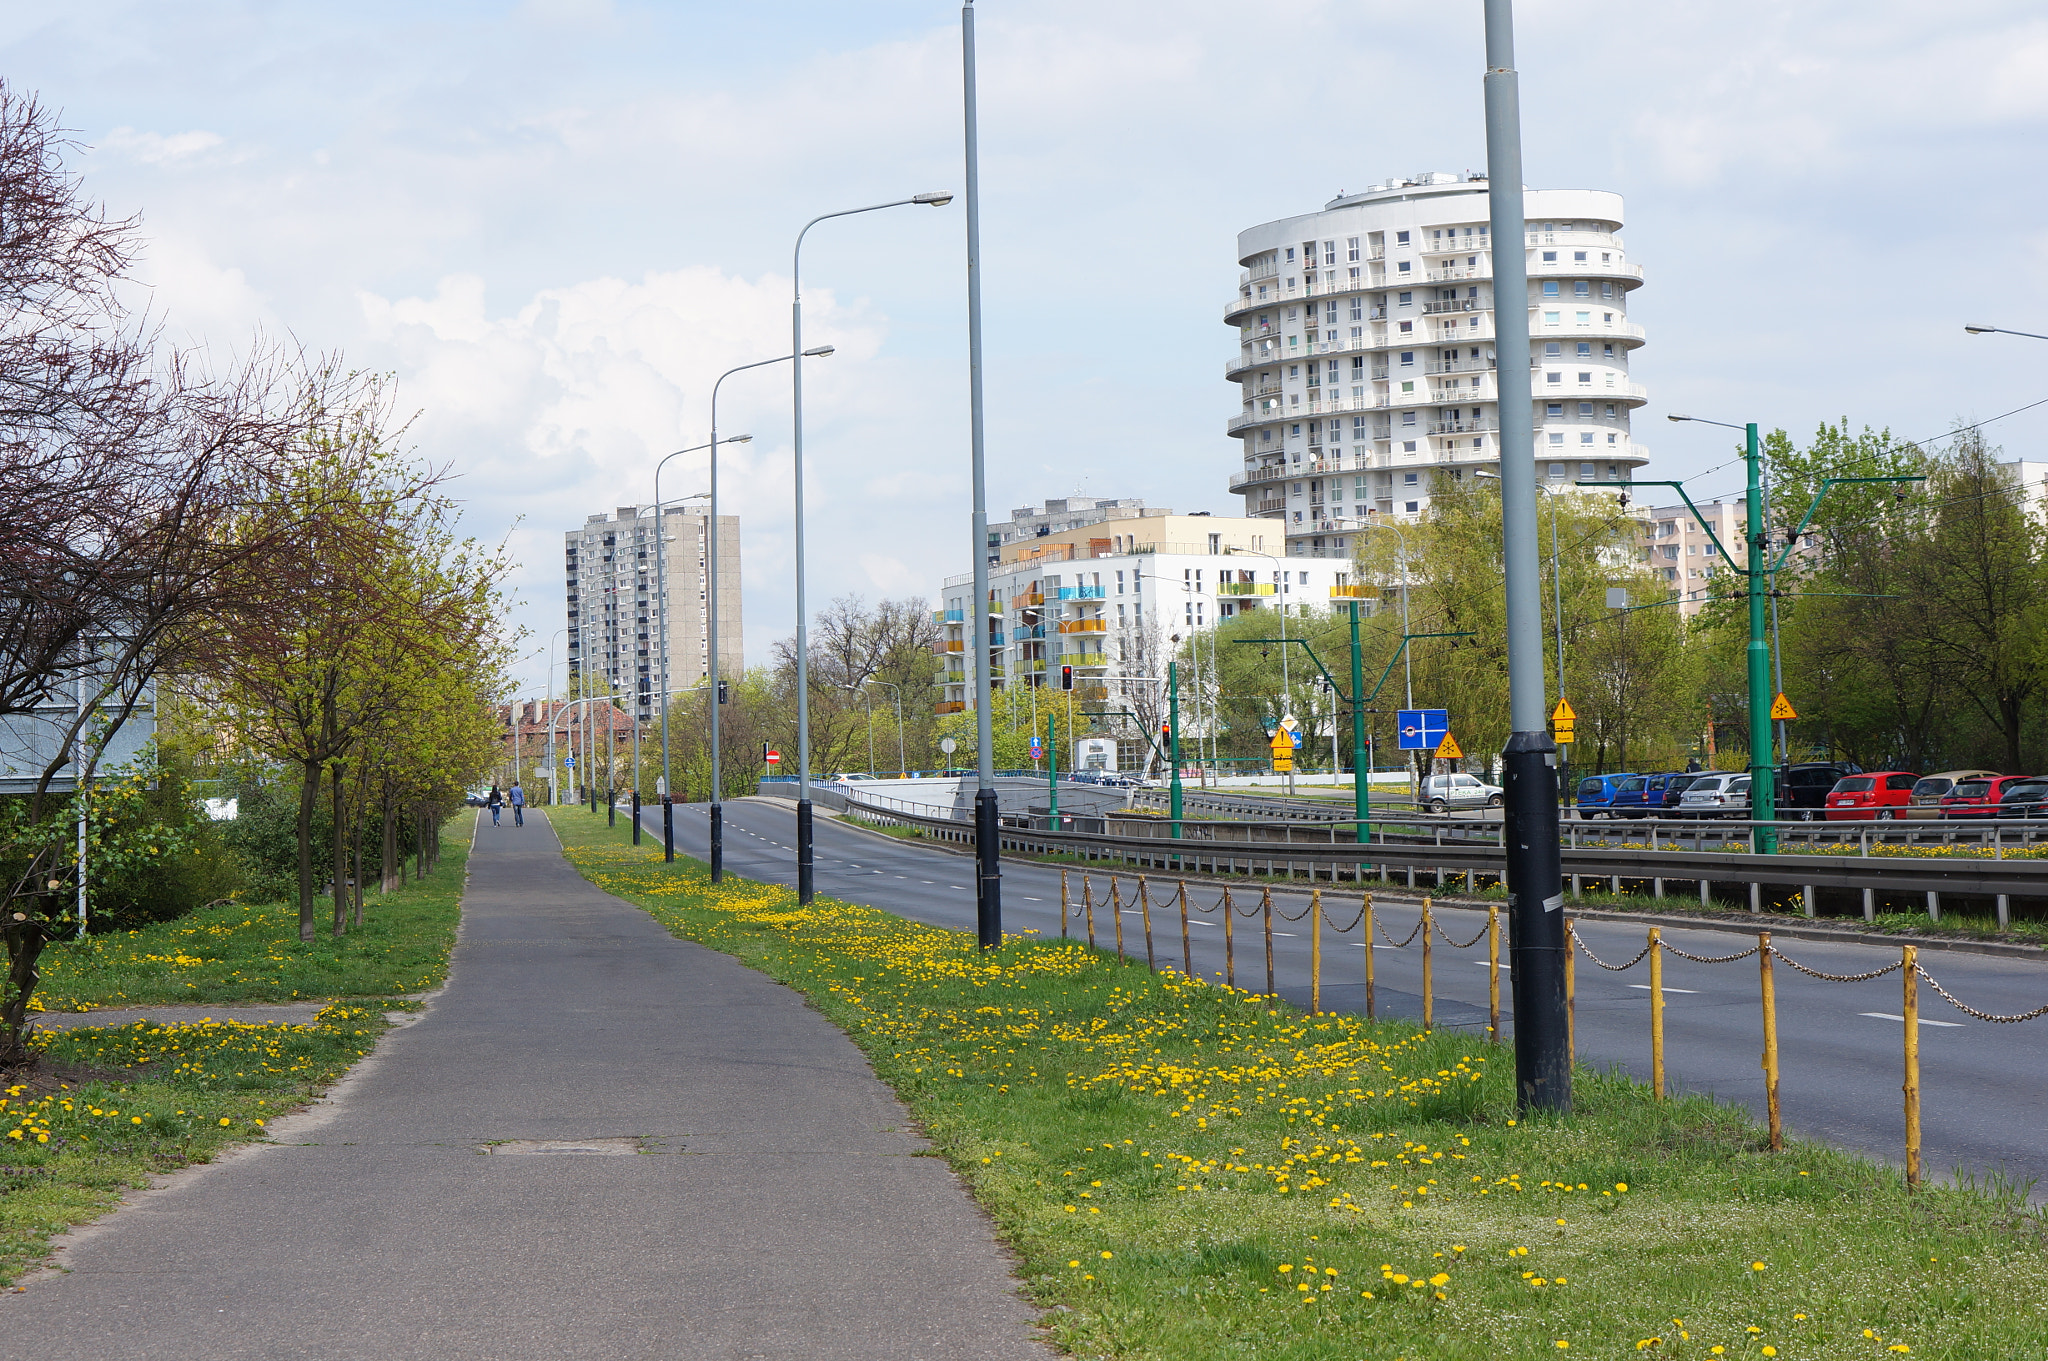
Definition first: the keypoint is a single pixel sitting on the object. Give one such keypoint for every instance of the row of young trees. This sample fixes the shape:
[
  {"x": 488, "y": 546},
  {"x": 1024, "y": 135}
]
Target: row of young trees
[{"x": 247, "y": 536}]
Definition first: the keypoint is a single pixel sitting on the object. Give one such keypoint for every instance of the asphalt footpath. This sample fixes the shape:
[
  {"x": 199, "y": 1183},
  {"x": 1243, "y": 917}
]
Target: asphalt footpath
[{"x": 598, "y": 1142}]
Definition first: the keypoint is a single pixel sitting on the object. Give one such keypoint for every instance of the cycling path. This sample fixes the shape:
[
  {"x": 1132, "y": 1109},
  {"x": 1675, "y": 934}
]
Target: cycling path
[{"x": 778, "y": 1208}]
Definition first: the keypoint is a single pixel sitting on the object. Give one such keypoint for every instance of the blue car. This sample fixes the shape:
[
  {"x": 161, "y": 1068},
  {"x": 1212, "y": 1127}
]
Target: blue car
[
  {"x": 1596, "y": 793},
  {"x": 1649, "y": 796}
]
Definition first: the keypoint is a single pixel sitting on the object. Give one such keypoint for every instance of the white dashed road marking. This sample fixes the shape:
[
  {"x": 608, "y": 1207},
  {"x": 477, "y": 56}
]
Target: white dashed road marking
[{"x": 1887, "y": 1016}]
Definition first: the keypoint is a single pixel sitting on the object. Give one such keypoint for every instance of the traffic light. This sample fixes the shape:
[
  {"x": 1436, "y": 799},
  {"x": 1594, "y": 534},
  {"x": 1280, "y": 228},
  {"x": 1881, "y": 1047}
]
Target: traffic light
[
  {"x": 721, "y": 692},
  {"x": 1066, "y": 678}
]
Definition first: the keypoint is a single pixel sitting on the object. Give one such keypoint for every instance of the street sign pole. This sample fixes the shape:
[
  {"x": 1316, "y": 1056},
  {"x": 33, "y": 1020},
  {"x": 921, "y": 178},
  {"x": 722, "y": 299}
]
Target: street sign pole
[
  {"x": 1361, "y": 763},
  {"x": 1543, "y": 1072},
  {"x": 1052, "y": 766},
  {"x": 1173, "y": 743},
  {"x": 1763, "y": 793}
]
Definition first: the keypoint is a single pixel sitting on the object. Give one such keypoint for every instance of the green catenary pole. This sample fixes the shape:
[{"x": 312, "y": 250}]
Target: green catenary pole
[
  {"x": 1361, "y": 767},
  {"x": 1173, "y": 742},
  {"x": 1762, "y": 787}
]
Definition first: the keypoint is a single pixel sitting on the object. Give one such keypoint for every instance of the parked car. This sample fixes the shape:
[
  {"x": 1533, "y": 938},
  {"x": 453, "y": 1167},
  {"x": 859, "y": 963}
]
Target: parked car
[
  {"x": 851, "y": 777},
  {"x": 1977, "y": 798},
  {"x": 1930, "y": 790},
  {"x": 1649, "y": 795},
  {"x": 1802, "y": 787},
  {"x": 2026, "y": 798},
  {"x": 1441, "y": 793},
  {"x": 1596, "y": 793},
  {"x": 1716, "y": 794},
  {"x": 1877, "y": 795}
]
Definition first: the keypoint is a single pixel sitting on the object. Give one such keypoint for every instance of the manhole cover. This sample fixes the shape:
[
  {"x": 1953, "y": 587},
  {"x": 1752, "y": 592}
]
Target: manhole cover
[{"x": 588, "y": 1147}]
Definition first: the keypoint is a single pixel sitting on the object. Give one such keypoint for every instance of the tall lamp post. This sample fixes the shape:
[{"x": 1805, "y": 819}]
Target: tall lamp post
[
  {"x": 804, "y": 879},
  {"x": 902, "y": 760},
  {"x": 1543, "y": 1075},
  {"x": 711, "y": 612},
  {"x": 661, "y": 591}
]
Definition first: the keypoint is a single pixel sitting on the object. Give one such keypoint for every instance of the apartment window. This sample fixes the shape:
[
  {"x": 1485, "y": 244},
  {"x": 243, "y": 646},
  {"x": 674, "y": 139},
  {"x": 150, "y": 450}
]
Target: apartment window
[
  {"x": 1408, "y": 386},
  {"x": 1358, "y": 488},
  {"x": 1551, "y": 347},
  {"x": 1265, "y": 436},
  {"x": 1585, "y": 380},
  {"x": 1550, "y": 257},
  {"x": 1613, "y": 439},
  {"x": 1585, "y": 410},
  {"x": 1405, "y": 267},
  {"x": 1119, "y": 590},
  {"x": 1585, "y": 437},
  {"x": 1354, "y": 271},
  {"x": 1554, "y": 411},
  {"x": 1357, "y": 314},
  {"x": 1329, "y": 252},
  {"x": 1407, "y": 358},
  {"x": 1550, "y": 288},
  {"x": 1585, "y": 349},
  {"x": 1611, "y": 472},
  {"x": 1556, "y": 471},
  {"x": 1411, "y": 507},
  {"x": 1582, "y": 289},
  {"x": 1358, "y": 369},
  {"x": 1352, "y": 243},
  {"x": 1607, "y": 350},
  {"x": 1330, "y": 314},
  {"x": 1710, "y": 550},
  {"x": 1297, "y": 489},
  {"x": 1585, "y": 318},
  {"x": 1607, "y": 318},
  {"x": 1294, "y": 431},
  {"x": 1400, "y": 238},
  {"x": 1407, "y": 328},
  {"x": 1557, "y": 437},
  {"x": 1357, "y": 332},
  {"x": 1409, "y": 479},
  {"x": 1297, "y": 517},
  {"x": 1610, "y": 408},
  {"x": 1585, "y": 472},
  {"x": 1607, "y": 290},
  {"x": 1405, "y": 300},
  {"x": 1550, "y": 318},
  {"x": 1579, "y": 258},
  {"x": 1358, "y": 427},
  {"x": 1553, "y": 377},
  {"x": 1407, "y": 418},
  {"x": 1290, "y": 254},
  {"x": 1408, "y": 446}
]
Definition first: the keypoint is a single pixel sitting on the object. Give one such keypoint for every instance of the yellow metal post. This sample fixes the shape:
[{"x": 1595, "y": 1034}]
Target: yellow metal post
[
  {"x": 1657, "y": 1012},
  {"x": 1116, "y": 913},
  {"x": 1912, "y": 1087},
  {"x": 1088, "y": 908},
  {"x": 1229, "y": 939},
  {"x": 1063, "y": 904},
  {"x": 1366, "y": 922},
  {"x": 1187, "y": 949},
  {"x": 1493, "y": 972},
  {"x": 1145, "y": 915},
  {"x": 1428, "y": 973},
  {"x": 1267, "y": 908},
  {"x": 1571, "y": 993},
  {"x": 1315, "y": 951},
  {"x": 1770, "y": 1001}
]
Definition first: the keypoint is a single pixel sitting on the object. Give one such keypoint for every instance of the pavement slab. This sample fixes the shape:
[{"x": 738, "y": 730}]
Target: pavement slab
[{"x": 779, "y": 1203}]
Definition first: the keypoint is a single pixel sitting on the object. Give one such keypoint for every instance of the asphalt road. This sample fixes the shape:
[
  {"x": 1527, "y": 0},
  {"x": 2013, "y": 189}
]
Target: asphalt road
[
  {"x": 768, "y": 1200},
  {"x": 1984, "y": 1087}
]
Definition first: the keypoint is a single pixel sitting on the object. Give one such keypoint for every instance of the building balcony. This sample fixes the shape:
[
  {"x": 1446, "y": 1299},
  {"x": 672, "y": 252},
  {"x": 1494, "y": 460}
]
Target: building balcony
[
  {"x": 1354, "y": 592},
  {"x": 1031, "y": 600},
  {"x": 1085, "y": 626},
  {"x": 950, "y": 706},
  {"x": 1430, "y": 309},
  {"x": 1245, "y": 588},
  {"x": 1280, "y": 295},
  {"x": 943, "y": 647},
  {"x": 1081, "y": 592},
  {"x": 1084, "y": 660}
]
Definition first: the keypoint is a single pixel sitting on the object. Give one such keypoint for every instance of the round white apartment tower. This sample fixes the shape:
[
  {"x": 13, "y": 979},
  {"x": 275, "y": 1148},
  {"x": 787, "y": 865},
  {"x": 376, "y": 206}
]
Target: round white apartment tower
[{"x": 1367, "y": 352}]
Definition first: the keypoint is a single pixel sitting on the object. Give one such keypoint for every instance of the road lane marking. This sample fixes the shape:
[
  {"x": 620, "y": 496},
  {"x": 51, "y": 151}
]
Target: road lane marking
[
  {"x": 1034, "y": 900},
  {"x": 1888, "y": 1016},
  {"x": 1645, "y": 987}
]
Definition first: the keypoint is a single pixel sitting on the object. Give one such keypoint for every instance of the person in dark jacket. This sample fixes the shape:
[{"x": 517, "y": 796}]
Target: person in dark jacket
[{"x": 496, "y": 803}]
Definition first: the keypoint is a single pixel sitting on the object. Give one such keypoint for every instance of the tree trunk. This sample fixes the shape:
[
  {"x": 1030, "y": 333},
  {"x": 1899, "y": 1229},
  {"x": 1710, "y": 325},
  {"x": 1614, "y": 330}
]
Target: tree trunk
[
  {"x": 357, "y": 855},
  {"x": 340, "y": 857},
  {"x": 393, "y": 870},
  {"x": 309, "y": 792},
  {"x": 25, "y": 940}
]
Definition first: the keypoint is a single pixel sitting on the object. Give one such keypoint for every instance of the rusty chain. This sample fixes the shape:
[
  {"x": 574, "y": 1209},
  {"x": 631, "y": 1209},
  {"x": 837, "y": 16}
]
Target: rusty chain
[
  {"x": 1712, "y": 959},
  {"x": 1584, "y": 949},
  {"x": 1834, "y": 977},
  {"x": 1968, "y": 1010},
  {"x": 1402, "y": 943},
  {"x": 1457, "y": 944}
]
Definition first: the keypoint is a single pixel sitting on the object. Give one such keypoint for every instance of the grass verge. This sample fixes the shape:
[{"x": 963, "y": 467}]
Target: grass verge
[
  {"x": 106, "y": 1107},
  {"x": 1186, "y": 1171},
  {"x": 241, "y": 952}
]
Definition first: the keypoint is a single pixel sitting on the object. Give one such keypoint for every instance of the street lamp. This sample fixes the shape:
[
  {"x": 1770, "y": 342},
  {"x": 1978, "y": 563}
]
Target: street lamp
[
  {"x": 803, "y": 669},
  {"x": 868, "y": 700},
  {"x": 2001, "y": 331},
  {"x": 1556, "y": 577},
  {"x": 661, "y": 590},
  {"x": 554, "y": 784},
  {"x": 902, "y": 760},
  {"x": 711, "y": 612}
]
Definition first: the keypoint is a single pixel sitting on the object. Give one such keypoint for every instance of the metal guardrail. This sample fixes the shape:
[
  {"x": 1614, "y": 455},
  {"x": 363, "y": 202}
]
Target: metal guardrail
[{"x": 1299, "y": 853}]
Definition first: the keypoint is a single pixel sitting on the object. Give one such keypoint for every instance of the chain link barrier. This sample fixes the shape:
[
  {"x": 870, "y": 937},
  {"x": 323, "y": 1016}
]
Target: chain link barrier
[
  {"x": 1587, "y": 951},
  {"x": 1835, "y": 977},
  {"x": 1969, "y": 1010}
]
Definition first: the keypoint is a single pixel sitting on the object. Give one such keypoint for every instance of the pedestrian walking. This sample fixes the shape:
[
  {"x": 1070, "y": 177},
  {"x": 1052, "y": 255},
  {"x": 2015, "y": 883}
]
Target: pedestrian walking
[
  {"x": 518, "y": 805},
  {"x": 496, "y": 802}
]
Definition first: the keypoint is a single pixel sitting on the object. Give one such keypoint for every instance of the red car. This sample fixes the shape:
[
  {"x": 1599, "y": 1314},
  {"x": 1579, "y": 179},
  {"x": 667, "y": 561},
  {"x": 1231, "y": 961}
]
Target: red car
[
  {"x": 1977, "y": 798},
  {"x": 1874, "y": 795}
]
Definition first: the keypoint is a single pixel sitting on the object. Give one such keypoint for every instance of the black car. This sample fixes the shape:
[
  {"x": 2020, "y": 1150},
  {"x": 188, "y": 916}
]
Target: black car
[
  {"x": 1802, "y": 788},
  {"x": 2024, "y": 799}
]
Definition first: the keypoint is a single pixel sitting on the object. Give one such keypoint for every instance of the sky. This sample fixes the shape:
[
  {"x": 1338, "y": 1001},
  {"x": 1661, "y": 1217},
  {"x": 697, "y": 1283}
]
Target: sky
[{"x": 557, "y": 221}]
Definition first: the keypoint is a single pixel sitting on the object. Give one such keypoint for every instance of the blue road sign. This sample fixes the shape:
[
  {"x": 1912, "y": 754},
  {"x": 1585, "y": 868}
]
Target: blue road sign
[
  {"x": 1422, "y": 729},
  {"x": 1296, "y": 735}
]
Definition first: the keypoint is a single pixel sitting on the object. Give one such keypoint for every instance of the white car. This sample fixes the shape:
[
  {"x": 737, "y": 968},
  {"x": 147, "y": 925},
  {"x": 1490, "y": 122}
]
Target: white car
[
  {"x": 1441, "y": 793},
  {"x": 1715, "y": 795}
]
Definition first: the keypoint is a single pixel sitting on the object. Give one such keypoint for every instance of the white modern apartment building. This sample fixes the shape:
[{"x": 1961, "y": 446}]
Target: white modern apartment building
[
  {"x": 617, "y": 629},
  {"x": 1678, "y": 549},
  {"x": 1108, "y": 598},
  {"x": 1366, "y": 352}
]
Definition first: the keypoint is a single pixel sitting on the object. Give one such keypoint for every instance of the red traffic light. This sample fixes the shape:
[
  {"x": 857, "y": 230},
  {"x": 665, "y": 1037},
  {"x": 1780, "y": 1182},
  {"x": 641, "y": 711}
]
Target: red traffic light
[{"x": 1066, "y": 678}]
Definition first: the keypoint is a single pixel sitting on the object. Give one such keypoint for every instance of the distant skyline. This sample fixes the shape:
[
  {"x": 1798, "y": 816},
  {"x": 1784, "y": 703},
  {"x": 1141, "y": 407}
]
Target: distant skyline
[{"x": 556, "y": 222}]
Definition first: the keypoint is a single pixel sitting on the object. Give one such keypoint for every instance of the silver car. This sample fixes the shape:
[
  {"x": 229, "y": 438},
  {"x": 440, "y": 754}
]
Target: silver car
[
  {"x": 1715, "y": 795},
  {"x": 1441, "y": 793}
]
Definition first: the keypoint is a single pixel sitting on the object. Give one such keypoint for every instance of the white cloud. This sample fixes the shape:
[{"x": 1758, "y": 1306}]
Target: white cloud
[{"x": 155, "y": 148}]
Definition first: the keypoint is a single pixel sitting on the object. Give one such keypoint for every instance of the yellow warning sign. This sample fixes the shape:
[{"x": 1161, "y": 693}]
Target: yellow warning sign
[
  {"x": 1563, "y": 712},
  {"x": 1283, "y": 764},
  {"x": 1781, "y": 708},
  {"x": 1283, "y": 743},
  {"x": 1563, "y": 735},
  {"x": 1448, "y": 749}
]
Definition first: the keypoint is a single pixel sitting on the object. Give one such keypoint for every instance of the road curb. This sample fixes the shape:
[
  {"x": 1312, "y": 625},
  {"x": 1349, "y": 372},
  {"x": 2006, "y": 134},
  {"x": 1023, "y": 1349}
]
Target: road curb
[{"x": 1796, "y": 928}]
